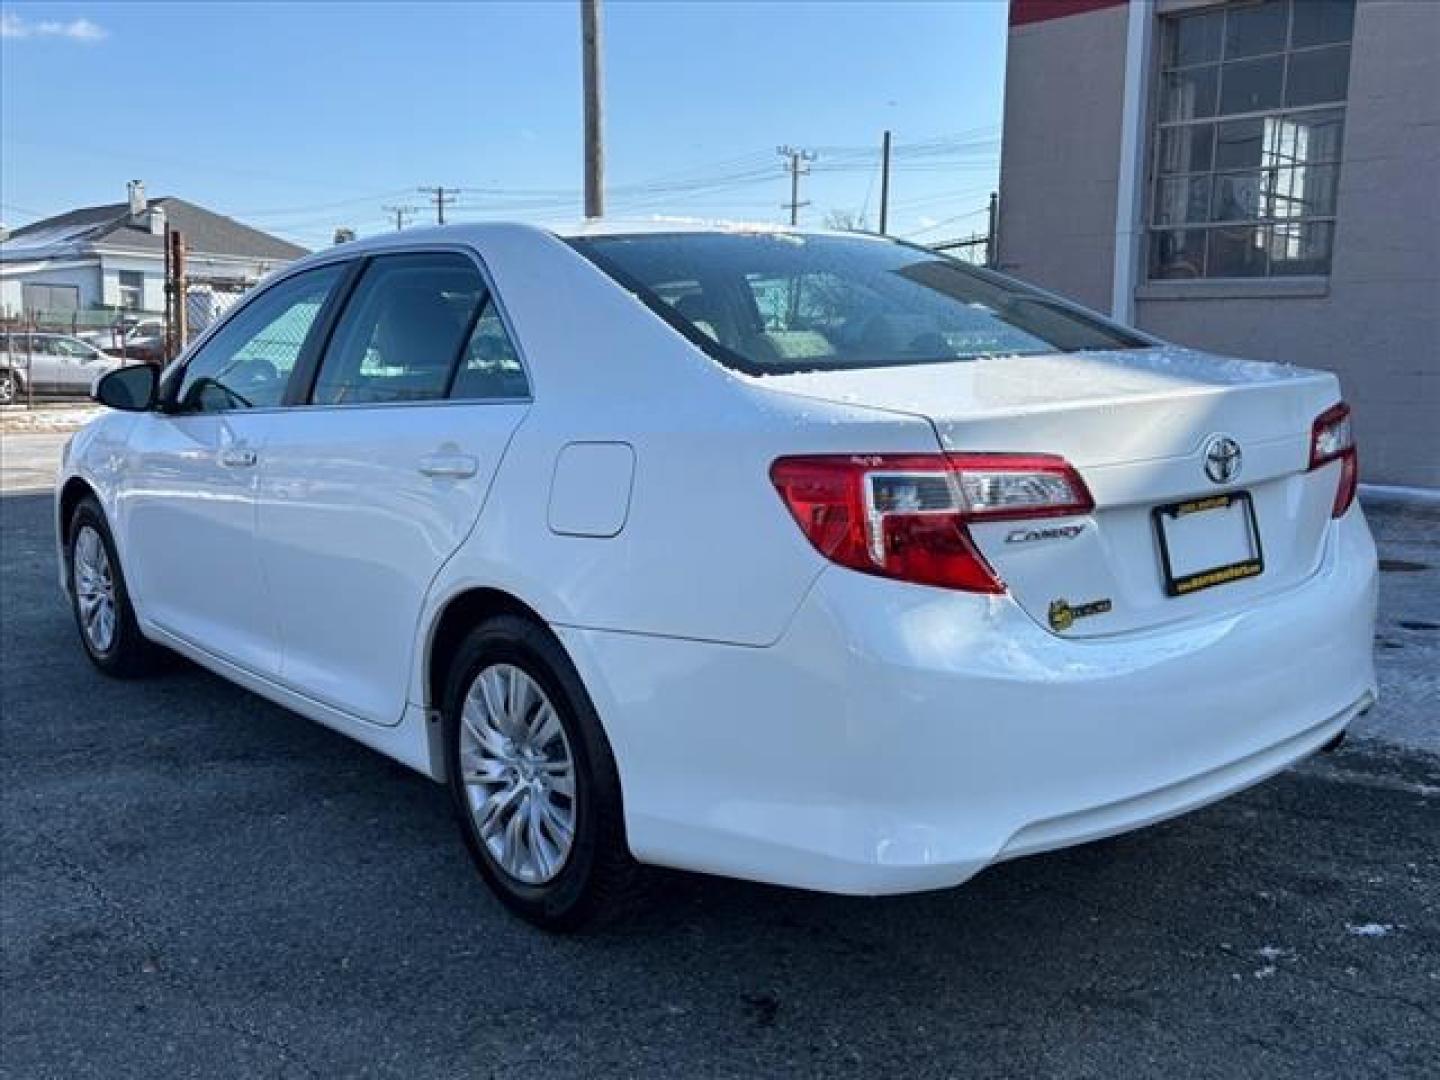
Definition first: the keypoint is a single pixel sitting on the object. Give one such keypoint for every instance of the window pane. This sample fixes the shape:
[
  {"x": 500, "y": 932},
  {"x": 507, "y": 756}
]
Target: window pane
[
  {"x": 1186, "y": 149},
  {"x": 1238, "y": 196},
  {"x": 492, "y": 367},
  {"x": 1307, "y": 191},
  {"x": 1237, "y": 251},
  {"x": 1193, "y": 39},
  {"x": 1177, "y": 253},
  {"x": 248, "y": 362},
  {"x": 1241, "y": 144},
  {"x": 1190, "y": 94},
  {"x": 1182, "y": 200},
  {"x": 1256, "y": 28},
  {"x": 1251, "y": 85},
  {"x": 1309, "y": 137},
  {"x": 1320, "y": 22},
  {"x": 1301, "y": 248},
  {"x": 402, "y": 330},
  {"x": 1318, "y": 76}
]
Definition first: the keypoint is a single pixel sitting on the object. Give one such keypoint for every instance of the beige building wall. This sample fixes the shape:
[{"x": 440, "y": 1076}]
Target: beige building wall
[{"x": 1059, "y": 160}]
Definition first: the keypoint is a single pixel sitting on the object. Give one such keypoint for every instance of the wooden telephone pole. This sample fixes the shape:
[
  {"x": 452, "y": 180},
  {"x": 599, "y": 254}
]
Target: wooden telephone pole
[
  {"x": 884, "y": 182},
  {"x": 177, "y": 323},
  {"x": 797, "y": 163},
  {"x": 594, "y": 116}
]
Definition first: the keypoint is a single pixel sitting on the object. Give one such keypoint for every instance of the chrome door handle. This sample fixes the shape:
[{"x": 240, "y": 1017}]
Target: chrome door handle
[
  {"x": 449, "y": 466},
  {"x": 237, "y": 457}
]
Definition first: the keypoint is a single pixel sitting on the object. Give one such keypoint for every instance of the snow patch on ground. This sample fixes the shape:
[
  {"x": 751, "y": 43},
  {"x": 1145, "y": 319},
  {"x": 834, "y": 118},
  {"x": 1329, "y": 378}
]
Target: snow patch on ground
[
  {"x": 1369, "y": 929},
  {"x": 51, "y": 418}
]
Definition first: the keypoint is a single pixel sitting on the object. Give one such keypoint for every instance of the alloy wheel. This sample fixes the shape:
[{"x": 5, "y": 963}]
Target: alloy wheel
[
  {"x": 519, "y": 774},
  {"x": 94, "y": 589}
]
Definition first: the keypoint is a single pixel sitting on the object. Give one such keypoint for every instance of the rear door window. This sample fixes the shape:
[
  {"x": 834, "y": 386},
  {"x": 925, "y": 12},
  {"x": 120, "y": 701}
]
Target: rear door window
[{"x": 401, "y": 335}]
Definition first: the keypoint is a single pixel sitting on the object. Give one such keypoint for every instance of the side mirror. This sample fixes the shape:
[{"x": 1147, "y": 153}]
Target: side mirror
[{"x": 131, "y": 389}]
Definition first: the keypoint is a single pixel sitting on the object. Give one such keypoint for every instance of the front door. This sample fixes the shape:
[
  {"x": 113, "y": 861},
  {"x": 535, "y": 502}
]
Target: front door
[
  {"x": 371, "y": 483},
  {"x": 187, "y": 508}
]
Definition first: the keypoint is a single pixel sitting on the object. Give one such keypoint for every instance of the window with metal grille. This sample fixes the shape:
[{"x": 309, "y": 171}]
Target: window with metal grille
[{"x": 1250, "y": 114}]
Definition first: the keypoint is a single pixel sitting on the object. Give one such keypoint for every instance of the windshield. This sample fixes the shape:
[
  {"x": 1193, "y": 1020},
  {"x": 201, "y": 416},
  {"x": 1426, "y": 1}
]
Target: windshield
[{"x": 776, "y": 303}]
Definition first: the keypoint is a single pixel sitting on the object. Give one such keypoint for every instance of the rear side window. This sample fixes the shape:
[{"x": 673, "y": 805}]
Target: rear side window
[
  {"x": 401, "y": 335},
  {"x": 492, "y": 367},
  {"x": 248, "y": 362}
]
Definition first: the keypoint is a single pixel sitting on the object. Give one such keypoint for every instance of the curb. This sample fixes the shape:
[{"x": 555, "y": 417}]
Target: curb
[{"x": 1395, "y": 497}]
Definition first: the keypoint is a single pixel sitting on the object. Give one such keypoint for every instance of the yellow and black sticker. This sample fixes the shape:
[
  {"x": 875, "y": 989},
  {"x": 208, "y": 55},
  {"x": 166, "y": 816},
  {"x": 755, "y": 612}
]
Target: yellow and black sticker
[{"x": 1063, "y": 613}]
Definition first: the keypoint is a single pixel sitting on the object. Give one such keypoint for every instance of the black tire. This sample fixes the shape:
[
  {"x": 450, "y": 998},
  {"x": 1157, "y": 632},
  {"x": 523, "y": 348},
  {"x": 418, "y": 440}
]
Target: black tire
[
  {"x": 599, "y": 879},
  {"x": 10, "y": 388},
  {"x": 129, "y": 654}
]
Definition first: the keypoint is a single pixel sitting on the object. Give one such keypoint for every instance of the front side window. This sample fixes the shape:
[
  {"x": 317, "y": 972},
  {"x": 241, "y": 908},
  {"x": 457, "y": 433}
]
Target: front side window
[
  {"x": 247, "y": 364},
  {"x": 73, "y": 350},
  {"x": 774, "y": 303},
  {"x": 401, "y": 334},
  {"x": 1246, "y": 158}
]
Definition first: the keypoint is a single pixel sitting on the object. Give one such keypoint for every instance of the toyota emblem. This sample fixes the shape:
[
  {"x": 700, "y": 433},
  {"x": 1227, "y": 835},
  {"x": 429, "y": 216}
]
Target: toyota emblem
[{"x": 1222, "y": 459}]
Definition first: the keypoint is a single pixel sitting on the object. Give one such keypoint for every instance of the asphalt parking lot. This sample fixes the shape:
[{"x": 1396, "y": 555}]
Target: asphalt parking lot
[{"x": 196, "y": 883}]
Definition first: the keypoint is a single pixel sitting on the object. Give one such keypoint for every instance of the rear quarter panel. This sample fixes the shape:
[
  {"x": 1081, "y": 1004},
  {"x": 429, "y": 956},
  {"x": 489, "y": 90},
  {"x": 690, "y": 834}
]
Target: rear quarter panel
[{"x": 707, "y": 549}]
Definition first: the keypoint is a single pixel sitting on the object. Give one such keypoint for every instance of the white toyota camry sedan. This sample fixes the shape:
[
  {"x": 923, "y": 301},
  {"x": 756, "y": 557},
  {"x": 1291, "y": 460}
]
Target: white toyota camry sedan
[{"x": 807, "y": 558}]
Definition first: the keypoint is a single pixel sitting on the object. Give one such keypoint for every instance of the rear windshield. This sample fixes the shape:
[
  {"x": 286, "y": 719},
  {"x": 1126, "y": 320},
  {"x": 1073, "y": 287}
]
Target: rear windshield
[{"x": 776, "y": 303}]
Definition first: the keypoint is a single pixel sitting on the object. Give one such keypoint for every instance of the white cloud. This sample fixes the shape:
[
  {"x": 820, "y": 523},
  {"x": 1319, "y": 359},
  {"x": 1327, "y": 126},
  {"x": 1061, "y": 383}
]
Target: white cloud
[{"x": 13, "y": 26}]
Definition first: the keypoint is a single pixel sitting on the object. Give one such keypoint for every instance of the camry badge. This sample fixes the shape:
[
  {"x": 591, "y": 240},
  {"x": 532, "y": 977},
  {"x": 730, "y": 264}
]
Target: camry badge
[
  {"x": 1053, "y": 532},
  {"x": 1222, "y": 459}
]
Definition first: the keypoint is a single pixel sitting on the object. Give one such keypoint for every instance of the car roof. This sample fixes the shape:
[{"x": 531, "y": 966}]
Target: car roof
[{"x": 476, "y": 233}]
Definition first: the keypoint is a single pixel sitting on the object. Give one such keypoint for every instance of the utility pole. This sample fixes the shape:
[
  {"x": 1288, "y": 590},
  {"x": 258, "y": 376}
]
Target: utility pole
[
  {"x": 884, "y": 182},
  {"x": 401, "y": 213},
  {"x": 798, "y": 164},
  {"x": 441, "y": 197},
  {"x": 594, "y": 116},
  {"x": 992, "y": 240},
  {"x": 179, "y": 329}
]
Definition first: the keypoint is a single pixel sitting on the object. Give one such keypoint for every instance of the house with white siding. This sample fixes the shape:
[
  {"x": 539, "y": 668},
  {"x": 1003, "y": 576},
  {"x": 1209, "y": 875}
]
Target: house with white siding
[{"x": 112, "y": 258}]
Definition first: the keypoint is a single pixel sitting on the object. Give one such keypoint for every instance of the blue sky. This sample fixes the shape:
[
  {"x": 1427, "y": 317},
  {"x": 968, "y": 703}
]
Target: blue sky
[{"x": 299, "y": 118}]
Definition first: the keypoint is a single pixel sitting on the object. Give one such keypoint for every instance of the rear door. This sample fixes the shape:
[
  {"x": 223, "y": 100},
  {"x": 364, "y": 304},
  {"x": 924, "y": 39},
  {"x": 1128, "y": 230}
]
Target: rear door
[
  {"x": 375, "y": 477},
  {"x": 42, "y": 363}
]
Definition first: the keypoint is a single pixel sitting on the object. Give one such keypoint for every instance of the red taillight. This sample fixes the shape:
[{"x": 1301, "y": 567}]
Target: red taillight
[
  {"x": 1333, "y": 439},
  {"x": 904, "y": 515}
]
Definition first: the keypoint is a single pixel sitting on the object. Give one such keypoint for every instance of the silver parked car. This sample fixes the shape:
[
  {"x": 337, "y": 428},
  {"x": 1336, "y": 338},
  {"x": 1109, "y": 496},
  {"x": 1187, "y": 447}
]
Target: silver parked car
[{"x": 49, "y": 364}]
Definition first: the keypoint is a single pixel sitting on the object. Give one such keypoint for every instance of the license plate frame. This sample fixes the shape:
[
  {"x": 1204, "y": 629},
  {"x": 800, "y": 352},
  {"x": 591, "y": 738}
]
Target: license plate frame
[{"x": 1210, "y": 577}]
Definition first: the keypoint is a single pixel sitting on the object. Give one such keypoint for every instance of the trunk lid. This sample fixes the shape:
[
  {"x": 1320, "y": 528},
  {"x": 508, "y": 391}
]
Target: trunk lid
[{"x": 1137, "y": 425}]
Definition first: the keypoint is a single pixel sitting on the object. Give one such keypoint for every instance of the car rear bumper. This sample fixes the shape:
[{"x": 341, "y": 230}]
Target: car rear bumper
[{"x": 900, "y": 738}]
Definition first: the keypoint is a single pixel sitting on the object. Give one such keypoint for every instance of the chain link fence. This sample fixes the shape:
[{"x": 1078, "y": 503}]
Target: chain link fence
[{"x": 54, "y": 355}]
